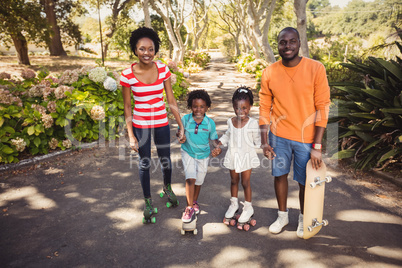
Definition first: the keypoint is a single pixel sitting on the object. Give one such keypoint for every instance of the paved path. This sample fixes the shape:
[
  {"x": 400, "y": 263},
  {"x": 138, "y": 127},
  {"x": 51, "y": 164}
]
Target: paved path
[{"x": 84, "y": 209}]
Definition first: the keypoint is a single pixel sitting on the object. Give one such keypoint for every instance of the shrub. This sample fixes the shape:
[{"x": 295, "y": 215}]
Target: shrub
[
  {"x": 41, "y": 113},
  {"x": 370, "y": 114}
]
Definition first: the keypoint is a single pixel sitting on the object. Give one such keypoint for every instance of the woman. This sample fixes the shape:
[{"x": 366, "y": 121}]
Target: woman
[{"x": 146, "y": 80}]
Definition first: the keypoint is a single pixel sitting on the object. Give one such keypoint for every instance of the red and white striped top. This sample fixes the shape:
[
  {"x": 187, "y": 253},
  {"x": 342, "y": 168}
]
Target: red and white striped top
[{"x": 149, "y": 110}]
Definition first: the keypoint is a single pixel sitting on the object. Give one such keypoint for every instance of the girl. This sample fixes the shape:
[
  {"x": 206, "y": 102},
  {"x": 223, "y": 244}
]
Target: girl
[
  {"x": 242, "y": 137},
  {"x": 199, "y": 129},
  {"x": 146, "y": 81}
]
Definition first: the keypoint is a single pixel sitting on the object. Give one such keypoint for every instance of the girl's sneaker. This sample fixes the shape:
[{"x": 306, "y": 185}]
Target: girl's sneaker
[
  {"x": 188, "y": 215},
  {"x": 196, "y": 208}
]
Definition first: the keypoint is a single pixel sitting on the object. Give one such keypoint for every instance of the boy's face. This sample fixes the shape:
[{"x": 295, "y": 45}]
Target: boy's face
[{"x": 199, "y": 108}]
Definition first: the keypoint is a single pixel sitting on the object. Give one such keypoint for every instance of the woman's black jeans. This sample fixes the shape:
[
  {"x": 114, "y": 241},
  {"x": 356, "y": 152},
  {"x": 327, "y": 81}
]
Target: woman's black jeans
[{"x": 162, "y": 141}]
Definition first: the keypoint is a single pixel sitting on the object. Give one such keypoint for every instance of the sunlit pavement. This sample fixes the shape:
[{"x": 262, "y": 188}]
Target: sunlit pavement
[{"x": 85, "y": 210}]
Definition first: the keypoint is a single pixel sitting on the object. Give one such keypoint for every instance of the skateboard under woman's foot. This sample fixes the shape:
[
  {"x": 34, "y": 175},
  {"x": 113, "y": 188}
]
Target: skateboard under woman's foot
[
  {"x": 149, "y": 210},
  {"x": 172, "y": 199}
]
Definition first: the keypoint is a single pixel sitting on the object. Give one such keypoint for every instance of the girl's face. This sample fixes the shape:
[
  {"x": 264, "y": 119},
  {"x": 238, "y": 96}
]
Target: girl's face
[
  {"x": 145, "y": 50},
  {"x": 199, "y": 108},
  {"x": 241, "y": 108}
]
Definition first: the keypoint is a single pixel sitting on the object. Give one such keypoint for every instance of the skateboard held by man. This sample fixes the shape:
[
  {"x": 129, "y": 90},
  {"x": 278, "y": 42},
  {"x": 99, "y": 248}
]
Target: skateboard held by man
[{"x": 314, "y": 200}]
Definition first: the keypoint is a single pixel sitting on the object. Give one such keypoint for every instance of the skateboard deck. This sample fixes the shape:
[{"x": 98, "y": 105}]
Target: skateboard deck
[
  {"x": 189, "y": 227},
  {"x": 314, "y": 200}
]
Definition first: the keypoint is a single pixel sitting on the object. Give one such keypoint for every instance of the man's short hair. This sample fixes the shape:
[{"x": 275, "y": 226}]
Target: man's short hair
[{"x": 290, "y": 29}]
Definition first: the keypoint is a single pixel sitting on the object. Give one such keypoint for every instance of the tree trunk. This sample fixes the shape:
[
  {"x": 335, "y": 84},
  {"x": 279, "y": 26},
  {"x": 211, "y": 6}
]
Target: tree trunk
[
  {"x": 173, "y": 33},
  {"x": 147, "y": 17},
  {"x": 21, "y": 46},
  {"x": 55, "y": 45},
  {"x": 265, "y": 11},
  {"x": 300, "y": 10}
]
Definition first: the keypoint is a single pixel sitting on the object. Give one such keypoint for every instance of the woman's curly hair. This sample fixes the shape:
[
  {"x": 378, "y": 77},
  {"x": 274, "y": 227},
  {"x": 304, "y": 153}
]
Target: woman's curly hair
[
  {"x": 198, "y": 94},
  {"x": 142, "y": 32}
]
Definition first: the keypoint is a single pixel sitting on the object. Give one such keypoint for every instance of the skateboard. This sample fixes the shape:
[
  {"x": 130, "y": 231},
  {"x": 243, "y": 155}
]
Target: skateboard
[
  {"x": 189, "y": 227},
  {"x": 314, "y": 200}
]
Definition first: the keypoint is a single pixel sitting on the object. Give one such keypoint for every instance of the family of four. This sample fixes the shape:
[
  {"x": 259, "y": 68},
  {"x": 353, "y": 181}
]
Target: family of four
[{"x": 294, "y": 107}]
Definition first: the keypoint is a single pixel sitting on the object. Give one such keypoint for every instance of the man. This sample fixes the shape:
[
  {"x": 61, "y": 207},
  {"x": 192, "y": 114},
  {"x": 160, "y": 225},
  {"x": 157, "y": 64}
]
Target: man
[{"x": 294, "y": 101}]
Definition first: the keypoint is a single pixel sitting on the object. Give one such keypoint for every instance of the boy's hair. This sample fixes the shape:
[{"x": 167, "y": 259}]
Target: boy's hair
[
  {"x": 141, "y": 33},
  {"x": 243, "y": 93},
  {"x": 198, "y": 94}
]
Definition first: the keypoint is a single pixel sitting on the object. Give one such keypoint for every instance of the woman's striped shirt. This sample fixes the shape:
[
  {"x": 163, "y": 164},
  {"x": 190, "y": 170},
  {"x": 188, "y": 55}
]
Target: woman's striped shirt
[{"x": 149, "y": 110}]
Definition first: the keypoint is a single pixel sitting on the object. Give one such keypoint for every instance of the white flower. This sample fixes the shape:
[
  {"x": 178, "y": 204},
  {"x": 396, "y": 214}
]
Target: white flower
[
  {"x": 97, "y": 112},
  {"x": 47, "y": 120},
  {"x": 19, "y": 144},
  {"x": 110, "y": 84},
  {"x": 53, "y": 143},
  {"x": 67, "y": 143},
  {"x": 97, "y": 75}
]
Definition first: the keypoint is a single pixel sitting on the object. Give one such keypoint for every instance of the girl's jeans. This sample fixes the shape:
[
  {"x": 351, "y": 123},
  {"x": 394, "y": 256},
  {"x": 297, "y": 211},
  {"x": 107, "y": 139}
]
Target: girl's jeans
[{"x": 162, "y": 142}]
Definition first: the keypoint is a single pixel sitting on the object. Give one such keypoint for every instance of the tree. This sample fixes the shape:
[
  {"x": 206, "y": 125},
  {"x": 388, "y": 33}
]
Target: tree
[
  {"x": 200, "y": 17},
  {"x": 179, "y": 13},
  {"x": 260, "y": 13},
  {"x": 300, "y": 10},
  {"x": 228, "y": 15},
  {"x": 55, "y": 45},
  {"x": 20, "y": 19},
  {"x": 120, "y": 10}
]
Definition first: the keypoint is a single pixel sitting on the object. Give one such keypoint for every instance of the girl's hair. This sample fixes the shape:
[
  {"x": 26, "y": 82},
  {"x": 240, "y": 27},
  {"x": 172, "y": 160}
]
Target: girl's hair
[
  {"x": 198, "y": 94},
  {"x": 141, "y": 33},
  {"x": 243, "y": 93}
]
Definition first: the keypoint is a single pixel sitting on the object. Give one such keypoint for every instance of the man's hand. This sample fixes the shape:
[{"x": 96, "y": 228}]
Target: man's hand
[
  {"x": 268, "y": 151},
  {"x": 316, "y": 158}
]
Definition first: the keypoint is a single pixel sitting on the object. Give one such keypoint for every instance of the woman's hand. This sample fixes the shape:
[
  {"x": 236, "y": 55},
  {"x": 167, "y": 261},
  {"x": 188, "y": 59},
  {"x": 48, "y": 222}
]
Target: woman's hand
[
  {"x": 133, "y": 144},
  {"x": 181, "y": 136},
  {"x": 268, "y": 151}
]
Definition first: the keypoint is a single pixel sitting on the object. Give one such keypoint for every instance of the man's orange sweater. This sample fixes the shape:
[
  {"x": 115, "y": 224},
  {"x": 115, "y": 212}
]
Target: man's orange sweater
[{"x": 299, "y": 97}]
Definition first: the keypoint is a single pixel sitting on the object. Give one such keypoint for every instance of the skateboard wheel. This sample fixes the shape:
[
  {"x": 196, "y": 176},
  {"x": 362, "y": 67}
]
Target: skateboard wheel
[
  {"x": 182, "y": 232},
  {"x": 253, "y": 222},
  {"x": 246, "y": 227},
  {"x": 168, "y": 204},
  {"x": 232, "y": 222},
  {"x": 155, "y": 210},
  {"x": 161, "y": 194},
  {"x": 195, "y": 232},
  {"x": 313, "y": 185},
  {"x": 328, "y": 179},
  {"x": 325, "y": 222},
  {"x": 153, "y": 220},
  {"x": 310, "y": 229}
]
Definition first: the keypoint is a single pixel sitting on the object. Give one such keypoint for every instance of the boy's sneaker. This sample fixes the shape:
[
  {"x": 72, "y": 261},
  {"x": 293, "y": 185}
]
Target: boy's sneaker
[
  {"x": 188, "y": 215},
  {"x": 300, "y": 226},
  {"x": 281, "y": 221},
  {"x": 196, "y": 208}
]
